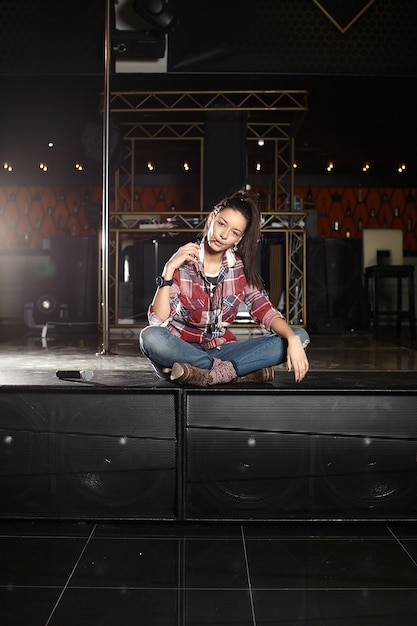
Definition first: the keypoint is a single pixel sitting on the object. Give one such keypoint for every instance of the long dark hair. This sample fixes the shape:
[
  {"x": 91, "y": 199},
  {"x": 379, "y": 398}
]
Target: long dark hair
[{"x": 247, "y": 247}]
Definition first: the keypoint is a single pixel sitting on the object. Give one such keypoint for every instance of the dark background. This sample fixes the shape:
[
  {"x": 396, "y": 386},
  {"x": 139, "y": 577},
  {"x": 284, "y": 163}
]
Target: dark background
[{"x": 360, "y": 73}]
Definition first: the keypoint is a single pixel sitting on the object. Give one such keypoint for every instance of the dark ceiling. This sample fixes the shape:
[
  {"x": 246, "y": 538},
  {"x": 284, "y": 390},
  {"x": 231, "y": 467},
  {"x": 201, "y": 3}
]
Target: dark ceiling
[{"x": 51, "y": 83}]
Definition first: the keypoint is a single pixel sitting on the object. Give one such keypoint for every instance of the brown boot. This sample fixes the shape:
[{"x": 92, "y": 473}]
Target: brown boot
[
  {"x": 189, "y": 375},
  {"x": 265, "y": 375}
]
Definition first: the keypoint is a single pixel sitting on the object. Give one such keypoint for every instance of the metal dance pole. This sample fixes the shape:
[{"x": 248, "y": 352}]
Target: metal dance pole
[{"x": 105, "y": 213}]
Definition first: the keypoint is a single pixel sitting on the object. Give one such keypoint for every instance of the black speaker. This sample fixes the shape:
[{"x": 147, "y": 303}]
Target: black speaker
[
  {"x": 224, "y": 155},
  {"x": 149, "y": 259},
  {"x": 92, "y": 140},
  {"x": 246, "y": 473},
  {"x": 65, "y": 287},
  {"x": 76, "y": 259},
  {"x": 24, "y": 456},
  {"x": 89, "y": 454},
  {"x": 274, "y": 455},
  {"x": 336, "y": 301}
]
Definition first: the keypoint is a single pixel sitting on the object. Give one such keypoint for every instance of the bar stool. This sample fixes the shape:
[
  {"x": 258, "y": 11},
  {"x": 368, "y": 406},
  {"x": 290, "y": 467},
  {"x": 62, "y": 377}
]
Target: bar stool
[{"x": 376, "y": 273}]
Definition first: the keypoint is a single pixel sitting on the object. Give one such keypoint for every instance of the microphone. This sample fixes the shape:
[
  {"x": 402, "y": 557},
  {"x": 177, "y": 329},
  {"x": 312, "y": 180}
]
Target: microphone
[{"x": 85, "y": 375}]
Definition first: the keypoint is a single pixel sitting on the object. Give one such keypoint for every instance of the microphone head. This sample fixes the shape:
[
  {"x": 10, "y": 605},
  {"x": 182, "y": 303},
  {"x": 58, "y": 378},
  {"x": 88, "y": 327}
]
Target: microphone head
[{"x": 87, "y": 375}]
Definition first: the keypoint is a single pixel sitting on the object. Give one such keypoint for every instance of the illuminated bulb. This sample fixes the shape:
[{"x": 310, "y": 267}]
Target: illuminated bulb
[
  {"x": 365, "y": 167},
  {"x": 50, "y": 144},
  {"x": 258, "y": 166},
  {"x": 261, "y": 143},
  {"x": 79, "y": 167},
  {"x": 330, "y": 166},
  {"x": 295, "y": 165},
  {"x": 401, "y": 168},
  {"x": 43, "y": 166},
  {"x": 186, "y": 166},
  {"x": 7, "y": 166},
  {"x": 150, "y": 166}
]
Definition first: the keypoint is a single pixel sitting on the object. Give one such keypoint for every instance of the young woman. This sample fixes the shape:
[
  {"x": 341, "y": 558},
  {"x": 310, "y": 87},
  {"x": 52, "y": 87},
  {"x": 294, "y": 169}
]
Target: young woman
[{"x": 188, "y": 340}]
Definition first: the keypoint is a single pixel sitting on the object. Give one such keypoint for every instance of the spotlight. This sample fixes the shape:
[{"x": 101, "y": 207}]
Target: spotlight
[
  {"x": 46, "y": 304},
  {"x": 156, "y": 12}
]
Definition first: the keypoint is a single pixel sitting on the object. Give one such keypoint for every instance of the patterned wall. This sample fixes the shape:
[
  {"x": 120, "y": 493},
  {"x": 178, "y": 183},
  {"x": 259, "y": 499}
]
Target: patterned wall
[
  {"x": 346, "y": 211},
  {"x": 28, "y": 215}
]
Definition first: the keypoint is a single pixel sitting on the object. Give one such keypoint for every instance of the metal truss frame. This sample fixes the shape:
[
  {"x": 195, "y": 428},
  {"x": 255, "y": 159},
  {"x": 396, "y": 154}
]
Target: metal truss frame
[
  {"x": 289, "y": 224},
  {"x": 273, "y": 115}
]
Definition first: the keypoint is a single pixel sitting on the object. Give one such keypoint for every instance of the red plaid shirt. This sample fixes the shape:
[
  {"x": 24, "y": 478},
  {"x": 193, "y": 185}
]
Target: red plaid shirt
[{"x": 201, "y": 315}]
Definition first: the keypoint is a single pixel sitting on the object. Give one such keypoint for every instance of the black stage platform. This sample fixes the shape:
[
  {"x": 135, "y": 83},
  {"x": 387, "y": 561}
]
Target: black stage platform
[{"x": 341, "y": 445}]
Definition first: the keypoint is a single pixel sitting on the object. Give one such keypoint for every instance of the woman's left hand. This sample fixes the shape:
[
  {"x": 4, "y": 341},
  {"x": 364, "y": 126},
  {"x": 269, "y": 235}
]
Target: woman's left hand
[{"x": 296, "y": 358}]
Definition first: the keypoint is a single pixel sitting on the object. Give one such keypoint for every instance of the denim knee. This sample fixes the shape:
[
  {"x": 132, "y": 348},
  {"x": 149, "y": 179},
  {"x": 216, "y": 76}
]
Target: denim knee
[
  {"x": 150, "y": 338},
  {"x": 303, "y": 335}
]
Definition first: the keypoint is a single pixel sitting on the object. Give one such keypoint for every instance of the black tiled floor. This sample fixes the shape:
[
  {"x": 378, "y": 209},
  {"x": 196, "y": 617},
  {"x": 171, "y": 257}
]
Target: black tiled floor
[{"x": 123, "y": 573}]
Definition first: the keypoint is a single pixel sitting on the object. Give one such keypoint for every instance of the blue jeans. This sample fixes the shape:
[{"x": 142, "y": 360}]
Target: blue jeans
[{"x": 163, "y": 349}]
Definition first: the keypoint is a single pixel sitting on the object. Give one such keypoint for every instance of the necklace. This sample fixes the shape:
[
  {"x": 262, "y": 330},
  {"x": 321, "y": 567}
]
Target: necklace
[
  {"x": 214, "y": 313},
  {"x": 212, "y": 280}
]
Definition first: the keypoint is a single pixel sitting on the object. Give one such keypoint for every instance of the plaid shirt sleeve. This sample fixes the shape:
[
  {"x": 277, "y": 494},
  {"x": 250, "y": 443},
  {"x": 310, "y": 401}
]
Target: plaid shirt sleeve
[{"x": 261, "y": 309}]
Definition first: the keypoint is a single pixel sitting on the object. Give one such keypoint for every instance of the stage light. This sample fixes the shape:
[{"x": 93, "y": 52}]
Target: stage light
[
  {"x": 46, "y": 304},
  {"x": 159, "y": 13}
]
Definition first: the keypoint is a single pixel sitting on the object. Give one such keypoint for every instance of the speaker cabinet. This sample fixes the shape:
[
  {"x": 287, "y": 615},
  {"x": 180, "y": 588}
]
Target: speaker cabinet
[
  {"x": 24, "y": 456},
  {"x": 275, "y": 455},
  {"x": 149, "y": 259},
  {"x": 224, "y": 155},
  {"x": 334, "y": 279},
  {"x": 89, "y": 455},
  {"x": 76, "y": 260},
  {"x": 63, "y": 287}
]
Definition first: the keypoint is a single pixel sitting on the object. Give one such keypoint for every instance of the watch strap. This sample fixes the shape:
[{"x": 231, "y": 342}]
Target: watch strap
[{"x": 161, "y": 282}]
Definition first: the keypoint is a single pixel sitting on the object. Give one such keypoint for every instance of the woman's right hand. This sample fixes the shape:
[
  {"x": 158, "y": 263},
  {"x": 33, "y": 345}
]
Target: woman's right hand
[{"x": 187, "y": 252}]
